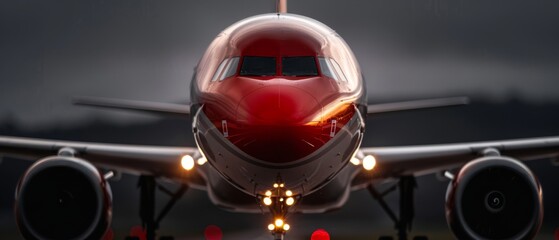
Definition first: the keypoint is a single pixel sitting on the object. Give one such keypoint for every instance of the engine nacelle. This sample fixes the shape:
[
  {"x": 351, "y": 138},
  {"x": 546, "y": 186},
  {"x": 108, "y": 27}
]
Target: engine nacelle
[
  {"x": 494, "y": 197},
  {"x": 63, "y": 198}
]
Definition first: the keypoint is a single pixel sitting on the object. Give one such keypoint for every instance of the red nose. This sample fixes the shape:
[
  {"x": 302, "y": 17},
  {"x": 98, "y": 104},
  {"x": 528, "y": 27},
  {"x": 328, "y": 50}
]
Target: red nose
[
  {"x": 279, "y": 124},
  {"x": 278, "y": 106}
]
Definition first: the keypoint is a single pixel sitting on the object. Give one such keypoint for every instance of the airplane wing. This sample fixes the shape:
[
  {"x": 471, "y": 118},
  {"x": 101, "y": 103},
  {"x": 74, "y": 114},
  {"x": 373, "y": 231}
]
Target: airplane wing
[
  {"x": 180, "y": 110},
  {"x": 135, "y": 159},
  {"x": 421, "y": 160},
  {"x": 373, "y": 109}
]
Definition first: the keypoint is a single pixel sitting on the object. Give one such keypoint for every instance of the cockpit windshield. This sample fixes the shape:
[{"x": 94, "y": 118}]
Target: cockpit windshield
[
  {"x": 258, "y": 66},
  {"x": 299, "y": 66}
]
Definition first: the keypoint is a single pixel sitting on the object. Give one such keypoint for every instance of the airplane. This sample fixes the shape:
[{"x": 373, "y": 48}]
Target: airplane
[{"x": 278, "y": 107}]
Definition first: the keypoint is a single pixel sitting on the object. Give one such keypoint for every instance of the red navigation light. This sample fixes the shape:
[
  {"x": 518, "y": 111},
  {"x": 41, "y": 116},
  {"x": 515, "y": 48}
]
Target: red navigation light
[
  {"x": 557, "y": 234},
  {"x": 320, "y": 234},
  {"x": 213, "y": 232}
]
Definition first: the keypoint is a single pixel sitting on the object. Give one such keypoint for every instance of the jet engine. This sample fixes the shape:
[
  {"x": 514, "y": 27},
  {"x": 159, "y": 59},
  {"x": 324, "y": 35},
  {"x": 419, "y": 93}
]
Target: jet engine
[
  {"x": 494, "y": 197},
  {"x": 63, "y": 197}
]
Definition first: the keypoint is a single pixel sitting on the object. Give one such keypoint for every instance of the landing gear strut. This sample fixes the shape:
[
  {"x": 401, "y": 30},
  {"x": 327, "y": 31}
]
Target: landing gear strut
[
  {"x": 403, "y": 223},
  {"x": 148, "y": 186}
]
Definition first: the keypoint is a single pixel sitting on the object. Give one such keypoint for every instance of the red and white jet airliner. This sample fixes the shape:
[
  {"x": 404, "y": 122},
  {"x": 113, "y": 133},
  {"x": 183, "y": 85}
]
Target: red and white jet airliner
[{"x": 278, "y": 107}]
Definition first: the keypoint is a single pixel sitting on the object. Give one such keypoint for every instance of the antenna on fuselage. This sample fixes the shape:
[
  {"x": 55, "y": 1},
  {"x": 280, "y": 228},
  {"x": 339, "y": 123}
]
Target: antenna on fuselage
[{"x": 281, "y": 6}]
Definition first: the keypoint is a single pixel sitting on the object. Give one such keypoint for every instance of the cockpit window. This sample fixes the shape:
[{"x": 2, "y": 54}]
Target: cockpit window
[
  {"x": 258, "y": 66},
  {"x": 219, "y": 69},
  {"x": 331, "y": 68},
  {"x": 227, "y": 68},
  {"x": 231, "y": 68},
  {"x": 338, "y": 70},
  {"x": 299, "y": 66},
  {"x": 326, "y": 68}
]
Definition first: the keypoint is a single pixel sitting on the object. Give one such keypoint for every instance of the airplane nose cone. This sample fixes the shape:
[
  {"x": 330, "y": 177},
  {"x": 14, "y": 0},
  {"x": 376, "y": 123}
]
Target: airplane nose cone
[
  {"x": 278, "y": 124},
  {"x": 278, "y": 106}
]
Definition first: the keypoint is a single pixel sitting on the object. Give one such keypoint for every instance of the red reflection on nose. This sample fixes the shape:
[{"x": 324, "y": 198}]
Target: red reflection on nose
[
  {"x": 278, "y": 124},
  {"x": 278, "y": 106},
  {"x": 213, "y": 232},
  {"x": 320, "y": 234}
]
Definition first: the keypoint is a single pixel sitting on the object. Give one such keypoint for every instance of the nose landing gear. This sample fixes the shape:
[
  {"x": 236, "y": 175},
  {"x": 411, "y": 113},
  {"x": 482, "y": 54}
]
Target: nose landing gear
[{"x": 279, "y": 200}]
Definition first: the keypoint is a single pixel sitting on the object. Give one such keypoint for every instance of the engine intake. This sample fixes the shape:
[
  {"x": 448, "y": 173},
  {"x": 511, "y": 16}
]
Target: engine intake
[
  {"x": 494, "y": 197},
  {"x": 63, "y": 198}
]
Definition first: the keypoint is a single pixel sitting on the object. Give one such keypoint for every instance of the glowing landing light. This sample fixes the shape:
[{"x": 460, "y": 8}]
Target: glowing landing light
[
  {"x": 320, "y": 234},
  {"x": 355, "y": 161},
  {"x": 267, "y": 201},
  {"x": 187, "y": 162},
  {"x": 201, "y": 161},
  {"x": 279, "y": 222},
  {"x": 369, "y": 162},
  {"x": 289, "y": 201},
  {"x": 268, "y": 193},
  {"x": 288, "y": 193},
  {"x": 286, "y": 227},
  {"x": 271, "y": 227},
  {"x": 276, "y": 185}
]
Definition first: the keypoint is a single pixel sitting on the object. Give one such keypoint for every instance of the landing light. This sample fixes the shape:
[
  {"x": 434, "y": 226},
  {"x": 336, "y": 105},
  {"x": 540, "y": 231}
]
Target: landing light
[
  {"x": 268, "y": 193},
  {"x": 289, "y": 201},
  {"x": 271, "y": 227},
  {"x": 369, "y": 162},
  {"x": 187, "y": 162},
  {"x": 276, "y": 185},
  {"x": 288, "y": 193},
  {"x": 278, "y": 222},
  {"x": 286, "y": 227},
  {"x": 267, "y": 201}
]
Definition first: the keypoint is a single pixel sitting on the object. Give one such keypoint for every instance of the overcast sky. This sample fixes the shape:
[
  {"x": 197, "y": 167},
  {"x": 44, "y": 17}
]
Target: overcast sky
[{"x": 146, "y": 49}]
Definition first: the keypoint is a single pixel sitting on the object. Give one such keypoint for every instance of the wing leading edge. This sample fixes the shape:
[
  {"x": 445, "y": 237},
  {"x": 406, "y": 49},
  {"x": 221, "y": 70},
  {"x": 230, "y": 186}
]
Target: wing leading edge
[
  {"x": 134, "y": 159},
  {"x": 421, "y": 160},
  {"x": 416, "y": 105},
  {"x": 391, "y": 162},
  {"x": 180, "y": 110}
]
